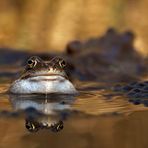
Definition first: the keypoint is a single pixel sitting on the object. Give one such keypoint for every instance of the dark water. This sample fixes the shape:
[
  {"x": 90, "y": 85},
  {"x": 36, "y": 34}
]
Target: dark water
[{"x": 97, "y": 117}]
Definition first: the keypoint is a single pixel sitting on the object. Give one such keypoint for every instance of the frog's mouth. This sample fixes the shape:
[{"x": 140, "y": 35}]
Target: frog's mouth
[{"x": 48, "y": 76}]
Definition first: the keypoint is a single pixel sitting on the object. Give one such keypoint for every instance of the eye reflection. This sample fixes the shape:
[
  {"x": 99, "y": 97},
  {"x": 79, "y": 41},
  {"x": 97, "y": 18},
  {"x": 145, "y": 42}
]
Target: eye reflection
[
  {"x": 57, "y": 127},
  {"x": 32, "y": 126}
]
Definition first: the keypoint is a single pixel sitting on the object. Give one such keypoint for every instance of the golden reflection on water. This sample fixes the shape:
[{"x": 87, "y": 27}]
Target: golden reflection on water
[
  {"x": 98, "y": 105},
  {"x": 102, "y": 119},
  {"x": 89, "y": 102}
]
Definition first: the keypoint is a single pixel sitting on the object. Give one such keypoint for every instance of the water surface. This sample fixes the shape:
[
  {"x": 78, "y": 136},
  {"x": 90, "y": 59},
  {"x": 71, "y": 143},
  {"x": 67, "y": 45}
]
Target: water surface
[{"x": 96, "y": 117}]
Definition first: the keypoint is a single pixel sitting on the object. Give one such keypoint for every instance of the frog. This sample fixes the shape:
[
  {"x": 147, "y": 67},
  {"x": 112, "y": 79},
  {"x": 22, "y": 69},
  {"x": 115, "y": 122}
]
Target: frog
[
  {"x": 111, "y": 57},
  {"x": 43, "y": 77}
]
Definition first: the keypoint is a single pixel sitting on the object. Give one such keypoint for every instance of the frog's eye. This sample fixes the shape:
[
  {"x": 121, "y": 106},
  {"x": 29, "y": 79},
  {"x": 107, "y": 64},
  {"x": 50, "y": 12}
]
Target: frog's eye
[
  {"x": 62, "y": 63},
  {"x": 32, "y": 63}
]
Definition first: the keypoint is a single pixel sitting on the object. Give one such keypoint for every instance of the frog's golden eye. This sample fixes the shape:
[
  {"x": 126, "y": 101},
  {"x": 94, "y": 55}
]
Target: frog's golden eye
[
  {"x": 32, "y": 63},
  {"x": 62, "y": 63}
]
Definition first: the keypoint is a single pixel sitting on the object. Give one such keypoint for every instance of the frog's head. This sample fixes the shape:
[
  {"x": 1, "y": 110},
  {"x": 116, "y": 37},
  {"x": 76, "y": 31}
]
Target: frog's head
[
  {"x": 39, "y": 70},
  {"x": 43, "y": 77}
]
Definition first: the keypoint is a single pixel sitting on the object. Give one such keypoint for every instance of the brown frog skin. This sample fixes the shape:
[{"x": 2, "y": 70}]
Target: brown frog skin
[
  {"x": 43, "y": 77},
  {"x": 110, "y": 57}
]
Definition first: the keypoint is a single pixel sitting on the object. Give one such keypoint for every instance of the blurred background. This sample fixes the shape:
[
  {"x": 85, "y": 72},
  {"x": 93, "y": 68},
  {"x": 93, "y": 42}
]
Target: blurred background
[{"x": 49, "y": 25}]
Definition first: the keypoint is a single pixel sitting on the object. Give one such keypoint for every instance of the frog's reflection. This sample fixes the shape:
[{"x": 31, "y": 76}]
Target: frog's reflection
[
  {"x": 34, "y": 126},
  {"x": 43, "y": 112}
]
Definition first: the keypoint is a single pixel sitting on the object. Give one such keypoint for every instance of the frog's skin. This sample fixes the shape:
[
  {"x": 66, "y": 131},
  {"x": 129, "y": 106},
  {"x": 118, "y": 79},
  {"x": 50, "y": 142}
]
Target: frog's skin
[
  {"x": 43, "y": 77},
  {"x": 112, "y": 57}
]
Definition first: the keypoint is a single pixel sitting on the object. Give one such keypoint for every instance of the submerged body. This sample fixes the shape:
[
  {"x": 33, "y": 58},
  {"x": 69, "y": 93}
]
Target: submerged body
[{"x": 43, "y": 77}]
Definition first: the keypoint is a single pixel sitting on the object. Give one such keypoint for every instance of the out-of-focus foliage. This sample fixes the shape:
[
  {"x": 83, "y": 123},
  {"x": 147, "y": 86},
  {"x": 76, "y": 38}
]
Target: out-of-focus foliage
[{"x": 51, "y": 24}]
